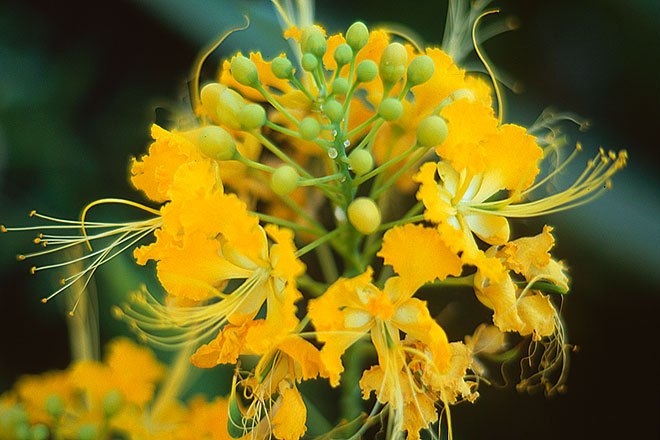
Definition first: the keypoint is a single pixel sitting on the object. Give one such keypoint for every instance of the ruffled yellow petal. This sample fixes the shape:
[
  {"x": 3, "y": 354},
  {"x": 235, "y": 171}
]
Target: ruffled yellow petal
[
  {"x": 280, "y": 321},
  {"x": 418, "y": 414},
  {"x": 493, "y": 229},
  {"x": 283, "y": 254},
  {"x": 512, "y": 157},
  {"x": 196, "y": 270},
  {"x": 135, "y": 370},
  {"x": 329, "y": 59},
  {"x": 393, "y": 387},
  {"x": 289, "y": 420},
  {"x": 501, "y": 298},
  {"x": 413, "y": 318},
  {"x": 446, "y": 78},
  {"x": 154, "y": 172},
  {"x": 329, "y": 319},
  {"x": 538, "y": 315},
  {"x": 469, "y": 124},
  {"x": 305, "y": 355},
  {"x": 437, "y": 210},
  {"x": 452, "y": 384},
  {"x": 224, "y": 349},
  {"x": 530, "y": 257},
  {"x": 418, "y": 254}
]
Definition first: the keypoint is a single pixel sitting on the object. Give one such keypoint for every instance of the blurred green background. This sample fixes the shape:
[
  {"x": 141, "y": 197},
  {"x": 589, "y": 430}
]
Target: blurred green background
[{"x": 79, "y": 85}]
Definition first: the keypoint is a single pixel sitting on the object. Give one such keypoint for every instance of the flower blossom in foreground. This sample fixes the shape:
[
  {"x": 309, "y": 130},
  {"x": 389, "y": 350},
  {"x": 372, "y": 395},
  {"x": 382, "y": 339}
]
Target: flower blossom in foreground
[{"x": 301, "y": 207}]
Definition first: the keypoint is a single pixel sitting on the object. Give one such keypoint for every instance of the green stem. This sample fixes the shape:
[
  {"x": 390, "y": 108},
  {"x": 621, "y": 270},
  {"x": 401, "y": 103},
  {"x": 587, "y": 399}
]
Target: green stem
[
  {"x": 369, "y": 137},
  {"x": 255, "y": 165},
  {"x": 466, "y": 281},
  {"x": 330, "y": 235},
  {"x": 276, "y": 104},
  {"x": 280, "y": 154},
  {"x": 401, "y": 221},
  {"x": 362, "y": 126},
  {"x": 286, "y": 223},
  {"x": 383, "y": 167},
  {"x": 316, "y": 288},
  {"x": 327, "y": 263},
  {"x": 302, "y": 88},
  {"x": 395, "y": 176},
  {"x": 312, "y": 182},
  {"x": 288, "y": 201}
]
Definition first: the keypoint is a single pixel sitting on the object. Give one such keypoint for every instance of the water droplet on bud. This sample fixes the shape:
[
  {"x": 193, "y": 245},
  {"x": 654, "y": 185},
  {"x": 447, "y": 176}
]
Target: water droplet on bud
[{"x": 332, "y": 152}]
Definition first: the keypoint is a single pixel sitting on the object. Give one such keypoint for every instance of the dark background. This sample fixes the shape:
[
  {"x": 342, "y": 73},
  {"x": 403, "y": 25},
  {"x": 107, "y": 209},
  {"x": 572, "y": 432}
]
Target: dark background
[{"x": 79, "y": 83}]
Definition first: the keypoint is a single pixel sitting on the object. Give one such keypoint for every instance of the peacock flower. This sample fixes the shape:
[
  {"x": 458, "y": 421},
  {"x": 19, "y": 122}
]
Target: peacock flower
[{"x": 276, "y": 405}]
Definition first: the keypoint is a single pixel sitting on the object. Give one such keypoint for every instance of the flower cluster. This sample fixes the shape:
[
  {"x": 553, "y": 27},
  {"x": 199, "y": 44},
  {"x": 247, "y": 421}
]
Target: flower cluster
[
  {"x": 111, "y": 399},
  {"x": 305, "y": 203}
]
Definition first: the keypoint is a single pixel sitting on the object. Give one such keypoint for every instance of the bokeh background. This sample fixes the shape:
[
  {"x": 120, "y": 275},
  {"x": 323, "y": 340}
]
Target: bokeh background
[{"x": 81, "y": 82}]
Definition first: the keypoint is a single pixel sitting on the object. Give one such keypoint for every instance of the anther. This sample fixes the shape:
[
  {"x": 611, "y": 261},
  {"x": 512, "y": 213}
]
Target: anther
[
  {"x": 44, "y": 300},
  {"x": 20, "y": 257},
  {"x": 2, "y": 228},
  {"x": 578, "y": 146},
  {"x": 32, "y": 213},
  {"x": 33, "y": 270},
  {"x": 611, "y": 154}
]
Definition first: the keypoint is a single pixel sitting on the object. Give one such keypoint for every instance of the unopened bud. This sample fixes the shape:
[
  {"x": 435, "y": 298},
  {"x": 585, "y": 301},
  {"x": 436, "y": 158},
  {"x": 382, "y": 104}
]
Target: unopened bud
[
  {"x": 364, "y": 215},
  {"x": 390, "y": 109},
  {"x": 215, "y": 142},
  {"x": 393, "y": 63},
  {"x": 112, "y": 403},
  {"x": 309, "y": 62},
  {"x": 229, "y": 105},
  {"x": 357, "y": 36},
  {"x": 244, "y": 71},
  {"x": 361, "y": 162},
  {"x": 252, "y": 116},
  {"x": 282, "y": 68},
  {"x": 420, "y": 70},
  {"x": 55, "y": 405},
  {"x": 431, "y": 131},
  {"x": 316, "y": 45},
  {"x": 210, "y": 95},
  {"x": 333, "y": 110},
  {"x": 366, "y": 71},
  {"x": 284, "y": 180},
  {"x": 87, "y": 432},
  {"x": 309, "y": 129},
  {"x": 339, "y": 86},
  {"x": 343, "y": 54}
]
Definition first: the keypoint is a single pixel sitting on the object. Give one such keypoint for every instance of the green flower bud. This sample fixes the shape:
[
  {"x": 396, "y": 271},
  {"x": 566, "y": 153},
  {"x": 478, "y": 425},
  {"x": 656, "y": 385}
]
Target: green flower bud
[
  {"x": 55, "y": 405},
  {"x": 361, "y": 162},
  {"x": 112, "y": 403},
  {"x": 393, "y": 63},
  {"x": 420, "y": 70},
  {"x": 339, "y": 86},
  {"x": 309, "y": 62},
  {"x": 282, "y": 68},
  {"x": 366, "y": 71},
  {"x": 87, "y": 432},
  {"x": 229, "y": 105},
  {"x": 216, "y": 143},
  {"x": 22, "y": 432},
  {"x": 307, "y": 33},
  {"x": 309, "y": 129},
  {"x": 39, "y": 432},
  {"x": 210, "y": 95},
  {"x": 364, "y": 215},
  {"x": 357, "y": 36},
  {"x": 316, "y": 45},
  {"x": 431, "y": 131},
  {"x": 390, "y": 109},
  {"x": 334, "y": 110},
  {"x": 343, "y": 54},
  {"x": 244, "y": 71},
  {"x": 252, "y": 116},
  {"x": 284, "y": 180}
]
